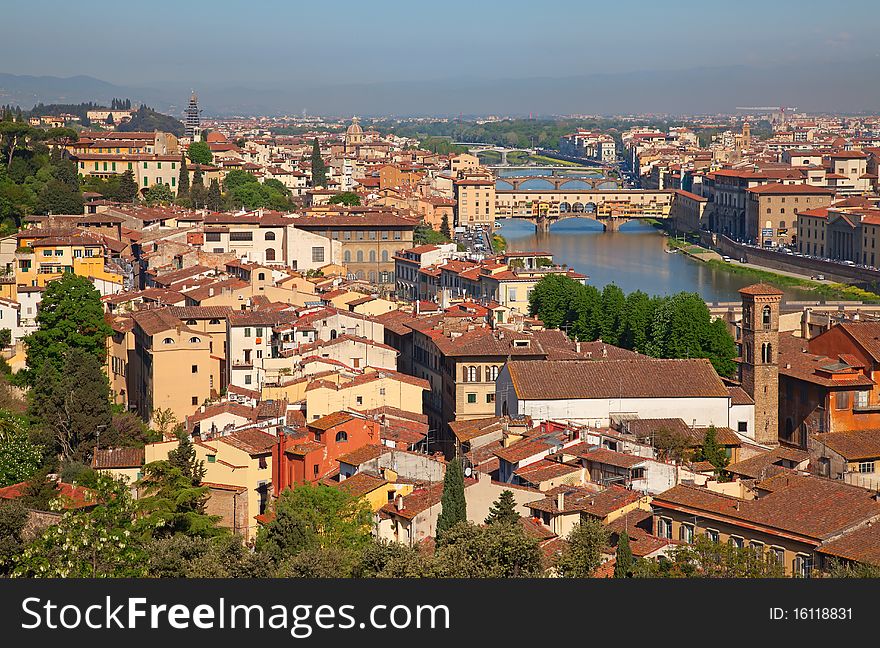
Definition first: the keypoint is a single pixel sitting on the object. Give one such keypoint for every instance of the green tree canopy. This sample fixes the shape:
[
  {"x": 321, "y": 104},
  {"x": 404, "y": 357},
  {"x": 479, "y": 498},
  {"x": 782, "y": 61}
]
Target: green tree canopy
[
  {"x": 503, "y": 510},
  {"x": 583, "y": 551},
  {"x": 20, "y": 459},
  {"x": 70, "y": 317},
  {"x": 347, "y": 198},
  {"x": 319, "y": 168},
  {"x": 200, "y": 153},
  {"x": 452, "y": 502},
  {"x": 623, "y": 565}
]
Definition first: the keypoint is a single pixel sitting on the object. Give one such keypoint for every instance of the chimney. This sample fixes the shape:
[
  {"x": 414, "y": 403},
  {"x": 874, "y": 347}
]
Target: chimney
[
  {"x": 577, "y": 346},
  {"x": 400, "y": 502},
  {"x": 210, "y": 292},
  {"x": 560, "y": 501}
]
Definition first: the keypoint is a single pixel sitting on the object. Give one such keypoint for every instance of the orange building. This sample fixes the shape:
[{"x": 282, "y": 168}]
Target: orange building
[{"x": 310, "y": 454}]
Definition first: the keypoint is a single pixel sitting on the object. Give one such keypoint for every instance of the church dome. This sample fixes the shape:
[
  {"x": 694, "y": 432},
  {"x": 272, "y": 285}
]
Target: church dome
[{"x": 355, "y": 128}]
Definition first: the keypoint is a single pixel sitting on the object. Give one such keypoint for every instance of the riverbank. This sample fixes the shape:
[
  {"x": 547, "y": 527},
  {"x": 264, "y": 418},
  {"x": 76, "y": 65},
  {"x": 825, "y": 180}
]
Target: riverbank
[
  {"x": 829, "y": 291},
  {"x": 499, "y": 243}
]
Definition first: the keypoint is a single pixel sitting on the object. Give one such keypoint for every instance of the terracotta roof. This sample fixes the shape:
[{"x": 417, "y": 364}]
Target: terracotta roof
[
  {"x": 760, "y": 289},
  {"x": 118, "y": 458},
  {"x": 331, "y": 420},
  {"x": 360, "y": 484},
  {"x": 810, "y": 507},
  {"x": 777, "y": 188},
  {"x": 363, "y": 454},
  {"x": 612, "y": 458},
  {"x": 72, "y": 496},
  {"x": 639, "y": 378},
  {"x": 767, "y": 464},
  {"x": 861, "y": 545},
  {"x": 739, "y": 396},
  {"x": 576, "y": 498},
  {"x": 852, "y": 445},
  {"x": 250, "y": 440}
]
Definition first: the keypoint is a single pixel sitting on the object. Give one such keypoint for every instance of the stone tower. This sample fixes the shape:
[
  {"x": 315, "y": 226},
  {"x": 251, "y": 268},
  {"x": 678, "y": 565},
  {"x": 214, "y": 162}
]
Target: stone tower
[
  {"x": 759, "y": 367},
  {"x": 746, "y": 135}
]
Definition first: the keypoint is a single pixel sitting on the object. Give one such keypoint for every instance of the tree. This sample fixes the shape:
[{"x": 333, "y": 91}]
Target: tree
[
  {"x": 494, "y": 551},
  {"x": 19, "y": 458},
  {"x": 158, "y": 193},
  {"x": 173, "y": 502},
  {"x": 452, "y": 502},
  {"x": 583, "y": 552},
  {"x": 624, "y": 563},
  {"x": 58, "y": 197},
  {"x": 5, "y": 337},
  {"x": 164, "y": 421},
  {"x": 319, "y": 168},
  {"x": 315, "y": 516},
  {"x": 445, "y": 230},
  {"x": 40, "y": 491},
  {"x": 214, "y": 201},
  {"x": 73, "y": 403},
  {"x": 197, "y": 193},
  {"x": 98, "y": 543},
  {"x": 503, "y": 510},
  {"x": 70, "y": 316},
  {"x": 200, "y": 153},
  {"x": 348, "y": 198},
  {"x": 13, "y": 517},
  {"x": 128, "y": 189},
  {"x": 671, "y": 444},
  {"x": 183, "y": 179},
  {"x": 184, "y": 458},
  {"x": 713, "y": 452},
  {"x": 707, "y": 559}
]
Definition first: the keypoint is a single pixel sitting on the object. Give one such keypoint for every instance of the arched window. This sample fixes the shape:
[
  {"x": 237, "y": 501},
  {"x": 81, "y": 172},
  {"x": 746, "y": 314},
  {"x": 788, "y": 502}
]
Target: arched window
[
  {"x": 333, "y": 334},
  {"x": 360, "y": 274},
  {"x": 191, "y": 322},
  {"x": 214, "y": 321},
  {"x": 493, "y": 373},
  {"x": 372, "y": 277},
  {"x": 372, "y": 256},
  {"x": 360, "y": 256},
  {"x": 341, "y": 436},
  {"x": 781, "y": 224},
  {"x": 384, "y": 255},
  {"x": 472, "y": 374},
  {"x": 168, "y": 341},
  {"x": 347, "y": 256},
  {"x": 261, "y": 276},
  {"x": 195, "y": 340},
  {"x": 270, "y": 236},
  {"x": 765, "y": 317},
  {"x": 766, "y": 353},
  {"x": 270, "y": 254}
]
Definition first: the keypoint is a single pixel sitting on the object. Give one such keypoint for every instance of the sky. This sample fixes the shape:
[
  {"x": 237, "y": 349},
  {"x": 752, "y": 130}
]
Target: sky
[{"x": 271, "y": 44}]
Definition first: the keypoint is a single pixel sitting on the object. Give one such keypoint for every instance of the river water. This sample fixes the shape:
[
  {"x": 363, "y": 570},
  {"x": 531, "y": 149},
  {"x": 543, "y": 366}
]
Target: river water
[{"x": 634, "y": 258}]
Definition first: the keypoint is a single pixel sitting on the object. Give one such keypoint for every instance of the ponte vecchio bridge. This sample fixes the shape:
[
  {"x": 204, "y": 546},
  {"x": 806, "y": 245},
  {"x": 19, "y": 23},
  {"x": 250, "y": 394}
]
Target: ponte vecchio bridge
[{"x": 611, "y": 207}]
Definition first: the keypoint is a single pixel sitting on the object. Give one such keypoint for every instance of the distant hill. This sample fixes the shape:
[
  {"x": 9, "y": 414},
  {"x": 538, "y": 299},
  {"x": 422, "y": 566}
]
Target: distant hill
[
  {"x": 27, "y": 91},
  {"x": 147, "y": 119}
]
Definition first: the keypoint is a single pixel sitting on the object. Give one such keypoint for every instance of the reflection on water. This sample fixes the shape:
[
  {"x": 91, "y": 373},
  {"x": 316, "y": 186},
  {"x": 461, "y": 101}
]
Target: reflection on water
[{"x": 634, "y": 258}]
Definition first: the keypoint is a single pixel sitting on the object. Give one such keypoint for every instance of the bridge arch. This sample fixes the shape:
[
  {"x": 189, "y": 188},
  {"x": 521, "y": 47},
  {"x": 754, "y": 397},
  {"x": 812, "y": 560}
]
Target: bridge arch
[
  {"x": 590, "y": 207},
  {"x": 578, "y": 208},
  {"x": 564, "y": 207}
]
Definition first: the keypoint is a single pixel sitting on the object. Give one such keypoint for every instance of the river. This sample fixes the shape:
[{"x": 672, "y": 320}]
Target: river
[{"x": 634, "y": 258}]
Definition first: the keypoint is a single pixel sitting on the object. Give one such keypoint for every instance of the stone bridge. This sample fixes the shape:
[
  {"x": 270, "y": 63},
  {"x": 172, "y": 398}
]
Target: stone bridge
[
  {"x": 478, "y": 147},
  {"x": 558, "y": 181},
  {"x": 611, "y": 207}
]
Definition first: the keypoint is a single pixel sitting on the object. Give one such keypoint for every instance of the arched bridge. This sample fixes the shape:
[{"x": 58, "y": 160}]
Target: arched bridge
[
  {"x": 479, "y": 147},
  {"x": 611, "y": 207},
  {"x": 558, "y": 181}
]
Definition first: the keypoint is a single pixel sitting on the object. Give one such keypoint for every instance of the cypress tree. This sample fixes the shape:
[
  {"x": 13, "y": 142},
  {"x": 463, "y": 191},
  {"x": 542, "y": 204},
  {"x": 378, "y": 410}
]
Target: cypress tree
[
  {"x": 454, "y": 507},
  {"x": 215, "y": 198},
  {"x": 319, "y": 169},
  {"x": 197, "y": 192},
  {"x": 183, "y": 180},
  {"x": 712, "y": 450},
  {"x": 503, "y": 510},
  {"x": 624, "y": 564},
  {"x": 444, "y": 227}
]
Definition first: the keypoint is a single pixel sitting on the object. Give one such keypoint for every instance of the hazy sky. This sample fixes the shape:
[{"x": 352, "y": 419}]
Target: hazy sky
[{"x": 265, "y": 43}]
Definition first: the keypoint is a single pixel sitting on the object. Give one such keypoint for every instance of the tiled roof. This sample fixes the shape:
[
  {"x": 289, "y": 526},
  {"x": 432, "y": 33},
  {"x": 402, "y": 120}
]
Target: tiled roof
[
  {"x": 577, "y": 498},
  {"x": 118, "y": 458},
  {"x": 760, "y": 289},
  {"x": 250, "y": 440},
  {"x": 590, "y": 379},
  {"x": 811, "y": 507},
  {"x": 767, "y": 463},
  {"x": 861, "y": 545},
  {"x": 854, "y": 445},
  {"x": 363, "y": 454},
  {"x": 360, "y": 484}
]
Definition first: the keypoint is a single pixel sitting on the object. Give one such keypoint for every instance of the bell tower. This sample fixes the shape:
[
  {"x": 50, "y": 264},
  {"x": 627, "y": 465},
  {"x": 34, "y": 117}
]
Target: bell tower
[{"x": 759, "y": 366}]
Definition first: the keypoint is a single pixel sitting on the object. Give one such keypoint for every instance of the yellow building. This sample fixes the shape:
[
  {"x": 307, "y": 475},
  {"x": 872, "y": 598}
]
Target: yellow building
[
  {"x": 238, "y": 472},
  {"x": 171, "y": 367},
  {"x": 41, "y": 259},
  {"x": 475, "y": 198},
  {"x": 372, "y": 390},
  {"x": 148, "y": 170}
]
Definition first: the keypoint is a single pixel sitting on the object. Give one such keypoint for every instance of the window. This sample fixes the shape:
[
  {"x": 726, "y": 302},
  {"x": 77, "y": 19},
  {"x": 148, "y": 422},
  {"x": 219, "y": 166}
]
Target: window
[
  {"x": 341, "y": 436},
  {"x": 263, "y": 463},
  {"x": 247, "y": 332},
  {"x": 686, "y": 533},
  {"x": 757, "y": 547},
  {"x": 384, "y": 255},
  {"x": 472, "y": 374},
  {"x": 490, "y": 398},
  {"x": 736, "y": 541},
  {"x": 241, "y": 236},
  {"x": 842, "y": 400},
  {"x": 194, "y": 369},
  {"x": 195, "y": 340},
  {"x": 765, "y": 317},
  {"x": 315, "y": 470},
  {"x": 712, "y": 535},
  {"x": 195, "y": 400},
  {"x": 270, "y": 236},
  {"x": 359, "y": 400},
  {"x": 317, "y": 255},
  {"x": 803, "y": 565},
  {"x": 259, "y": 331},
  {"x": 214, "y": 321},
  {"x": 212, "y": 236},
  {"x": 360, "y": 256},
  {"x": 664, "y": 528},
  {"x": 742, "y": 427},
  {"x": 270, "y": 254},
  {"x": 866, "y": 466},
  {"x": 247, "y": 379},
  {"x": 777, "y": 555},
  {"x": 471, "y": 398},
  {"x": 168, "y": 341},
  {"x": 212, "y": 458},
  {"x": 862, "y": 398}
]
